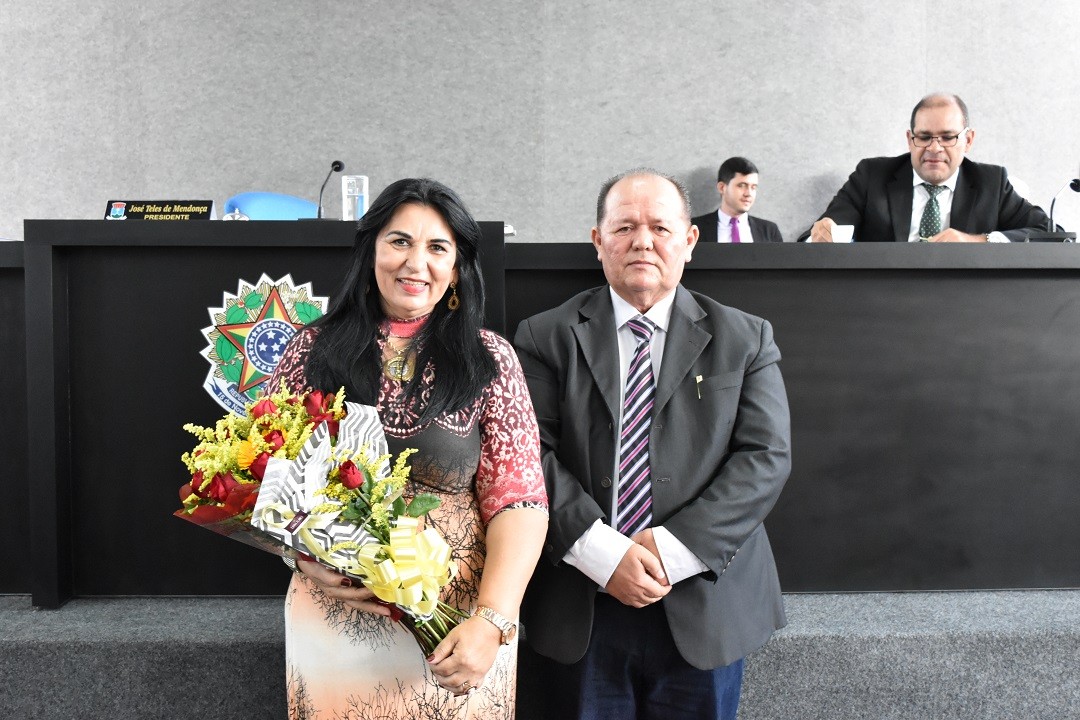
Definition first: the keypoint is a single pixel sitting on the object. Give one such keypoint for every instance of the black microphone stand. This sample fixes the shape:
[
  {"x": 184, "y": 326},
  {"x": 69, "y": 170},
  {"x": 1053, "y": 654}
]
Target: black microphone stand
[
  {"x": 1052, "y": 234},
  {"x": 336, "y": 166}
]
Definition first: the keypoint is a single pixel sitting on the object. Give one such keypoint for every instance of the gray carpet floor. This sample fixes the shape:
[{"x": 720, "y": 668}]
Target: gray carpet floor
[{"x": 993, "y": 655}]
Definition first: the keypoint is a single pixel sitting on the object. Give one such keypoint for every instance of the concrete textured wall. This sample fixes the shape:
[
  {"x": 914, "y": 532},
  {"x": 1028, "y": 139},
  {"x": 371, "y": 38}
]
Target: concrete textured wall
[{"x": 524, "y": 107}]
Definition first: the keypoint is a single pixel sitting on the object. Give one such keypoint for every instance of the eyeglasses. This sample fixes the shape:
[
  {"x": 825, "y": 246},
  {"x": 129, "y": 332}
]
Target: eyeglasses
[{"x": 943, "y": 140}]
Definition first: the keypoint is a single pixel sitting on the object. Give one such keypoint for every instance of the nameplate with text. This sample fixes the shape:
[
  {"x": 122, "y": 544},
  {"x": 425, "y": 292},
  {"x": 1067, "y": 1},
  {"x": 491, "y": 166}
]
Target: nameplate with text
[{"x": 159, "y": 210}]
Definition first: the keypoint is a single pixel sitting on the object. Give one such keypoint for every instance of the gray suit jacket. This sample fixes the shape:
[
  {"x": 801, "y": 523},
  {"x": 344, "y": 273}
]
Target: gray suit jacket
[
  {"x": 718, "y": 462},
  {"x": 876, "y": 199},
  {"x": 763, "y": 230}
]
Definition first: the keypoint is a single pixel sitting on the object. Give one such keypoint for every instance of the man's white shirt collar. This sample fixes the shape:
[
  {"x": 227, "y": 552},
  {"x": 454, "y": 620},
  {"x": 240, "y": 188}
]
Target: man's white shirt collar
[
  {"x": 949, "y": 183},
  {"x": 724, "y": 219},
  {"x": 659, "y": 314}
]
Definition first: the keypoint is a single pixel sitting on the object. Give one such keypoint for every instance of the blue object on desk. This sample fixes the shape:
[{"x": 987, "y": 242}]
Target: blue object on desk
[{"x": 271, "y": 206}]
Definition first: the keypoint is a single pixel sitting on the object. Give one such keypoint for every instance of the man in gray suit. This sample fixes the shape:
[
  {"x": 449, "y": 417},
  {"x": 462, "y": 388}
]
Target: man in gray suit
[{"x": 658, "y": 577}]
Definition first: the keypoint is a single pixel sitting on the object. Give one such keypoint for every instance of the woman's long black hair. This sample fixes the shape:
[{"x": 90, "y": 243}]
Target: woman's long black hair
[{"x": 346, "y": 352}]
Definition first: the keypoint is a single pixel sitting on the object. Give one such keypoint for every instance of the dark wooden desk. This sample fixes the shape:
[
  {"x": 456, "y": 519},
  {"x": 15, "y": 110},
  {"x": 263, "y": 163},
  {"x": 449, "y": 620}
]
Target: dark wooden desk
[
  {"x": 114, "y": 313},
  {"x": 934, "y": 393},
  {"x": 935, "y": 399},
  {"x": 13, "y": 479}
]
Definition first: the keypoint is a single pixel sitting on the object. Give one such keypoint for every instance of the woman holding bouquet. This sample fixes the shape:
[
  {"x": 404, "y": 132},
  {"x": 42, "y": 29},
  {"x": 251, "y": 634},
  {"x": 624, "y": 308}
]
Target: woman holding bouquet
[{"x": 405, "y": 336}]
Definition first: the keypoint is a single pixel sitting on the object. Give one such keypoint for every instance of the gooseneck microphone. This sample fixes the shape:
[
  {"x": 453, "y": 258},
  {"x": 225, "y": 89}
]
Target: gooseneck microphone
[
  {"x": 336, "y": 166},
  {"x": 1052, "y": 234},
  {"x": 1074, "y": 184}
]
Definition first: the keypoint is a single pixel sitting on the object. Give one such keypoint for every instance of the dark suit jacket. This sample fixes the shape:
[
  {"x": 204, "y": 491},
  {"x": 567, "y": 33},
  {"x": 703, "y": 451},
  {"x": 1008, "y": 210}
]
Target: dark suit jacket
[
  {"x": 763, "y": 230},
  {"x": 876, "y": 199},
  {"x": 718, "y": 465}
]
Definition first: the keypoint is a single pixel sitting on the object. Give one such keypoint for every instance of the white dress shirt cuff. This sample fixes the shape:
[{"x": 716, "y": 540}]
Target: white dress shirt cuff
[
  {"x": 598, "y": 552},
  {"x": 679, "y": 562},
  {"x": 997, "y": 237}
]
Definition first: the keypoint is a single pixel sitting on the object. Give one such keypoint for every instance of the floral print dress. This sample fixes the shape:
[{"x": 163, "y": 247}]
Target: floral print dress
[{"x": 343, "y": 664}]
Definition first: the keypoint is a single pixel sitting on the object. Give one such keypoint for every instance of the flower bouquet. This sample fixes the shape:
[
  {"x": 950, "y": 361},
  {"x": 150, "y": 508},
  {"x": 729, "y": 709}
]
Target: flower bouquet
[
  {"x": 310, "y": 475},
  {"x": 228, "y": 464},
  {"x": 343, "y": 503}
]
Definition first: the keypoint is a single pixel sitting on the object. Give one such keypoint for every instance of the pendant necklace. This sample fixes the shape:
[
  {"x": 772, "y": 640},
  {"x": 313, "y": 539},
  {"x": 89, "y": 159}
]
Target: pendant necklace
[{"x": 402, "y": 364}]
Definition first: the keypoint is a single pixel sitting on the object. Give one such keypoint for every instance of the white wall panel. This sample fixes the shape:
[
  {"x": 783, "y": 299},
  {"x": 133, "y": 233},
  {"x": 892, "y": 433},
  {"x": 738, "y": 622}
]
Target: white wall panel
[{"x": 523, "y": 107}]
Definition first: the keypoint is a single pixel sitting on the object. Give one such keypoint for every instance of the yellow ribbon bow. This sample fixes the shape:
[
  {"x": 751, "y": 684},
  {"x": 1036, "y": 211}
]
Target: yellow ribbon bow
[{"x": 414, "y": 566}]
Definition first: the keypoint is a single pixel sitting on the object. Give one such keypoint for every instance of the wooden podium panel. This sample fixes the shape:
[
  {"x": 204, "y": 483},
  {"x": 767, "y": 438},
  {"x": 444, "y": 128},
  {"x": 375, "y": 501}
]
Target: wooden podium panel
[
  {"x": 935, "y": 393},
  {"x": 126, "y": 303},
  {"x": 14, "y": 488},
  {"x": 115, "y": 312},
  {"x": 935, "y": 400}
]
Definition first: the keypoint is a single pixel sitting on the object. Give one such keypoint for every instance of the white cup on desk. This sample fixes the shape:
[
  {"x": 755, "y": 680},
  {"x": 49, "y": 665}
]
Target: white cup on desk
[{"x": 843, "y": 233}]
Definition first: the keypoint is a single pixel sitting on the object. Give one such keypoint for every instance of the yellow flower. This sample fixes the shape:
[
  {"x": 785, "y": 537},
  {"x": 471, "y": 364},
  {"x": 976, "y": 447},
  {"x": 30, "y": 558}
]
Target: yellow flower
[{"x": 245, "y": 454}]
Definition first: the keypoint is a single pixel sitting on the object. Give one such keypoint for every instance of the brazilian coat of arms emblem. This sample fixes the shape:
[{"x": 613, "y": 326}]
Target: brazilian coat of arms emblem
[{"x": 249, "y": 334}]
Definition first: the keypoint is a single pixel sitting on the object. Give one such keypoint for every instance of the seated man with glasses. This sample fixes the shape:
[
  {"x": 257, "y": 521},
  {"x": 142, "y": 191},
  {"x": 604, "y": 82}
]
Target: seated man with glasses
[{"x": 947, "y": 198}]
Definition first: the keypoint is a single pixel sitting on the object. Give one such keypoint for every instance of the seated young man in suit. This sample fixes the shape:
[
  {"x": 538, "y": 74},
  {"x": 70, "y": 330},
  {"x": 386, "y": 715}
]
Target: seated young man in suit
[{"x": 737, "y": 184}]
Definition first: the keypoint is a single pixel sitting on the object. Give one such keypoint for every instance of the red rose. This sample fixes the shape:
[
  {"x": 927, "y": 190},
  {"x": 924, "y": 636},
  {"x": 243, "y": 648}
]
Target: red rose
[
  {"x": 351, "y": 476},
  {"x": 258, "y": 466},
  {"x": 221, "y": 486},
  {"x": 313, "y": 403},
  {"x": 319, "y": 406},
  {"x": 242, "y": 498},
  {"x": 332, "y": 426},
  {"x": 275, "y": 439},
  {"x": 265, "y": 406},
  {"x": 195, "y": 486}
]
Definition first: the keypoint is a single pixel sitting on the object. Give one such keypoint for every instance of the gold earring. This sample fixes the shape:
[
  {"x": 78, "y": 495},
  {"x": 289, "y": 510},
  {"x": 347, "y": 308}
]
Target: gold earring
[{"x": 454, "y": 302}]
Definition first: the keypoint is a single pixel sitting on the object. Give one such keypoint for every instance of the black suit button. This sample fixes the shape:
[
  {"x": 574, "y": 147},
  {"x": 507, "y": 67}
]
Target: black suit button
[{"x": 606, "y": 482}]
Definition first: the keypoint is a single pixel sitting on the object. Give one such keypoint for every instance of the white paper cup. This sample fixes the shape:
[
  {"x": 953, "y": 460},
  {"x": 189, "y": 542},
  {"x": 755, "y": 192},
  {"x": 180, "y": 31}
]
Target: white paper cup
[{"x": 843, "y": 233}]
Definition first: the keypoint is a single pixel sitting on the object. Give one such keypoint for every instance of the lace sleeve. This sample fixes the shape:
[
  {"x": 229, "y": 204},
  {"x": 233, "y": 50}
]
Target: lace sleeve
[{"x": 509, "y": 472}]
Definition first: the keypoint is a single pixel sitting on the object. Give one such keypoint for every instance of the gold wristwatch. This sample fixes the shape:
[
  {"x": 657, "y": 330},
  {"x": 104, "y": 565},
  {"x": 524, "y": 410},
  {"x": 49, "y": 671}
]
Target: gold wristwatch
[{"x": 507, "y": 627}]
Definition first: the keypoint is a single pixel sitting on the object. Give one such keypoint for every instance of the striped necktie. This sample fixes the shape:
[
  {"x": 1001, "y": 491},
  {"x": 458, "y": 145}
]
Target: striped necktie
[{"x": 635, "y": 487}]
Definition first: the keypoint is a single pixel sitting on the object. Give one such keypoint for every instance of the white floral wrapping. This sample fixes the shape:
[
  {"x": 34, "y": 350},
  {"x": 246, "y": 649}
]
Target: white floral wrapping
[{"x": 289, "y": 490}]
